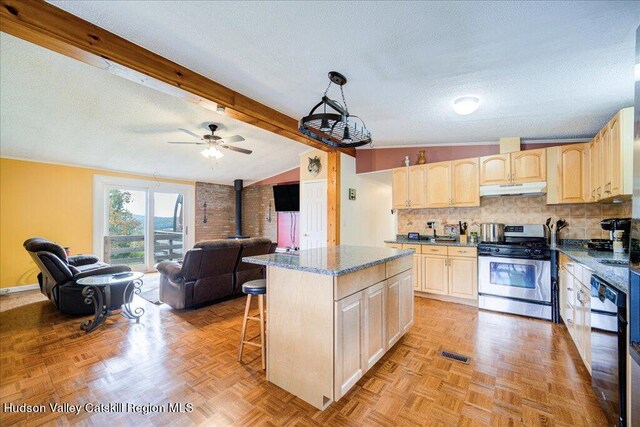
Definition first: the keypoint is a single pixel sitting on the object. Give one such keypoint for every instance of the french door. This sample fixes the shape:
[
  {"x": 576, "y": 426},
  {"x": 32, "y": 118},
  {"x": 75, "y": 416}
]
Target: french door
[{"x": 140, "y": 223}]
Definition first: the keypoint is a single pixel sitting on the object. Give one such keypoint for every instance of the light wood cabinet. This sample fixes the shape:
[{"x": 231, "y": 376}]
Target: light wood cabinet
[
  {"x": 594, "y": 175},
  {"x": 454, "y": 183},
  {"x": 465, "y": 187},
  {"x": 406, "y": 302},
  {"x": 528, "y": 166},
  {"x": 605, "y": 162},
  {"x": 616, "y": 161},
  {"x": 434, "y": 272},
  {"x": 448, "y": 270},
  {"x": 495, "y": 170},
  {"x": 400, "y": 188},
  {"x": 575, "y": 304},
  {"x": 513, "y": 168},
  {"x": 374, "y": 325},
  {"x": 409, "y": 187},
  {"x": 392, "y": 308},
  {"x": 439, "y": 185},
  {"x": 568, "y": 174},
  {"x": 463, "y": 277},
  {"x": 350, "y": 320}
]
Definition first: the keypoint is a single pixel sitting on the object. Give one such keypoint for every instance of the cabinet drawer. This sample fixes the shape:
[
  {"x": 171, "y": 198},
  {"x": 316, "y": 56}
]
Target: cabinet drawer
[
  {"x": 393, "y": 245},
  {"x": 462, "y": 251},
  {"x": 351, "y": 283},
  {"x": 399, "y": 265},
  {"x": 414, "y": 247},
  {"x": 586, "y": 277},
  {"x": 434, "y": 250}
]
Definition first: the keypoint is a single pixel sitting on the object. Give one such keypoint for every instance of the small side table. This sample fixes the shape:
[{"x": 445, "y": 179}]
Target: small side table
[{"x": 92, "y": 294}]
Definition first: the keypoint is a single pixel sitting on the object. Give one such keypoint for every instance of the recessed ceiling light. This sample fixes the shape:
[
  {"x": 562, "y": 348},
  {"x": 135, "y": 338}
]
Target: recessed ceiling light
[{"x": 466, "y": 105}]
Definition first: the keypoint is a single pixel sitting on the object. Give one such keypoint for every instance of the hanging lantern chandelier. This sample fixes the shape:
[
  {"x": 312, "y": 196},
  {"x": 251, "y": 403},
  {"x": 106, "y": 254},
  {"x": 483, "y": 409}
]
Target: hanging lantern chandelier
[{"x": 330, "y": 122}]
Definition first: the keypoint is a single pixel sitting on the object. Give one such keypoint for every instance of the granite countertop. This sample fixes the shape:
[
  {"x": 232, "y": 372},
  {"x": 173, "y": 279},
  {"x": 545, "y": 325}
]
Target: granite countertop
[
  {"x": 332, "y": 261},
  {"x": 405, "y": 241},
  {"x": 616, "y": 276}
]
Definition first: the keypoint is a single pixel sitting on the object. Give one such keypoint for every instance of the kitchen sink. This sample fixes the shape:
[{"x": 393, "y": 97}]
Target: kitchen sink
[{"x": 614, "y": 262}]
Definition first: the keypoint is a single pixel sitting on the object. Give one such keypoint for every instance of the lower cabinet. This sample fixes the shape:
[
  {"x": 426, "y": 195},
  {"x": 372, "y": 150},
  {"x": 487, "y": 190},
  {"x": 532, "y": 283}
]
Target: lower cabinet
[
  {"x": 463, "y": 277},
  {"x": 575, "y": 303},
  {"x": 367, "y": 324}
]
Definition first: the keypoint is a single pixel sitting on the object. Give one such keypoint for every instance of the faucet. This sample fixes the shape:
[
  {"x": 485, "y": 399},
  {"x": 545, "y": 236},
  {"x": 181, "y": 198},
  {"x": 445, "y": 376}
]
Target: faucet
[{"x": 432, "y": 225}]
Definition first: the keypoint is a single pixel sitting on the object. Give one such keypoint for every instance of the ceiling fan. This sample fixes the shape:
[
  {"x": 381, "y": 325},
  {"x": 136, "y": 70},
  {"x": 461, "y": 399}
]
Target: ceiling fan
[{"x": 214, "y": 141}]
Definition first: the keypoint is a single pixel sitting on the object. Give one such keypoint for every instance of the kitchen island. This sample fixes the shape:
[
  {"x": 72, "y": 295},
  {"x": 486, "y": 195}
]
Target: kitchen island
[{"x": 332, "y": 313}]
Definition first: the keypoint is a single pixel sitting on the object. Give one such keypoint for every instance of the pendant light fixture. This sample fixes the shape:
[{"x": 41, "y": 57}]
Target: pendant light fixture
[{"x": 336, "y": 128}]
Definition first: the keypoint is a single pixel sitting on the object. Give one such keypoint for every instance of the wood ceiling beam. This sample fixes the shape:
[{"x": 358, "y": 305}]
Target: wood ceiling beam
[{"x": 53, "y": 28}]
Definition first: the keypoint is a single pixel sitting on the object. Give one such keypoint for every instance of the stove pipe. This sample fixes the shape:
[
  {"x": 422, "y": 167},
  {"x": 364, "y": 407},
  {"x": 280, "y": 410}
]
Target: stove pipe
[{"x": 237, "y": 185}]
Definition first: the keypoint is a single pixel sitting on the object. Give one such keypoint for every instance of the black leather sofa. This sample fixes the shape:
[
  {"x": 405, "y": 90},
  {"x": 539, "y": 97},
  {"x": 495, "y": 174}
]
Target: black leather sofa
[
  {"x": 59, "y": 273},
  {"x": 213, "y": 270}
]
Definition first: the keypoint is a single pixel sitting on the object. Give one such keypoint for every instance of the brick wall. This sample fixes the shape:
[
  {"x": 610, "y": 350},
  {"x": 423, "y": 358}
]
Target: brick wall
[
  {"x": 221, "y": 205},
  {"x": 583, "y": 219},
  {"x": 257, "y": 200}
]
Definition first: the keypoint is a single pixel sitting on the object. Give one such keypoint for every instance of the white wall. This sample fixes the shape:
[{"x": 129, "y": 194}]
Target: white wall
[{"x": 366, "y": 221}]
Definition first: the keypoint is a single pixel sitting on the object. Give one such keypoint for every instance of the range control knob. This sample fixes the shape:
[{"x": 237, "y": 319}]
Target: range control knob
[
  {"x": 496, "y": 250},
  {"x": 537, "y": 251},
  {"x": 527, "y": 251}
]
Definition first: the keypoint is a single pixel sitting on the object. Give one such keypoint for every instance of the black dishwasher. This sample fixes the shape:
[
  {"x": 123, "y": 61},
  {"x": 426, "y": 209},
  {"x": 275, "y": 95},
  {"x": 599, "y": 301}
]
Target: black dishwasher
[{"x": 608, "y": 349}]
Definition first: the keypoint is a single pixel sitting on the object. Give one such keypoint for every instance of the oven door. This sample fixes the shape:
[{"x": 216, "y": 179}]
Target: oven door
[{"x": 524, "y": 279}]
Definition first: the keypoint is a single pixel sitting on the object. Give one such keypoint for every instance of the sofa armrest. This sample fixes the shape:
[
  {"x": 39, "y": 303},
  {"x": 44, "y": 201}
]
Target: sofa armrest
[
  {"x": 78, "y": 260},
  {"x": 112, "y": 269},
  {"x": 170, "y": 269}
]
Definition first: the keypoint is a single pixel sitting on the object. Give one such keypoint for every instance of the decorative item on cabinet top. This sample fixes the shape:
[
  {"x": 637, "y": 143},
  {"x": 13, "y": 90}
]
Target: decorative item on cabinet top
[{"x": 422, "y": 159}]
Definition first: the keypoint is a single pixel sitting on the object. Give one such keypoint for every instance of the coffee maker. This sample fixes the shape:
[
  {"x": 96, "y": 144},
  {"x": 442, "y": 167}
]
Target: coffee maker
[{"x": 614, "y": 226}]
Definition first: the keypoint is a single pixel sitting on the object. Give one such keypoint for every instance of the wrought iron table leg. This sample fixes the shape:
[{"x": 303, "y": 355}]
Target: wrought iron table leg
[
  {"x": 92, "y": 294},
  {"x": 136, "y": 313}
]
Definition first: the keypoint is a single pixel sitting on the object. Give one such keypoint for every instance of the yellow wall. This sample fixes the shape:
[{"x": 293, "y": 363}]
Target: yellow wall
[{"x": 44, "y": 200}]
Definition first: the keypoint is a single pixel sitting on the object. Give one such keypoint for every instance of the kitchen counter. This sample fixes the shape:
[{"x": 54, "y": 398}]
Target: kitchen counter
[
  {"x": 404, "y": 241},
  {"x": 616, "y": 276},
  {"x": 332, "y": 261}
]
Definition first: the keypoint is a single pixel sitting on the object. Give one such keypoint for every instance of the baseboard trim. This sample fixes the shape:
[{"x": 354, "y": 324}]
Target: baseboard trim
[
  {"x": 446, "y": 298},
  {"x": 14, "y": 289}
]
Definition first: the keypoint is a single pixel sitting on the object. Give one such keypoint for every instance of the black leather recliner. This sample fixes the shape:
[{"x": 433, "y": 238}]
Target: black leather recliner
[{"x": 58, "y": 275}]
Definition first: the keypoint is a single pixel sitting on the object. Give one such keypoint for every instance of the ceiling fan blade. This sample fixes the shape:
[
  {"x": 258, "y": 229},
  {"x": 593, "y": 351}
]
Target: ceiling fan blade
[
  {"x": 239, "y": 150},
  {"x": 233, "y": 138},
  {"x": 195, "y": 135},
  {"x": 189, "y": 143}
]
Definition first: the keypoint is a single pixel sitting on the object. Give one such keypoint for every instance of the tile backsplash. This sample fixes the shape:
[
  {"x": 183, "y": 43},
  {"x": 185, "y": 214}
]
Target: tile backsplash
[{"x": 583, "y": 219}]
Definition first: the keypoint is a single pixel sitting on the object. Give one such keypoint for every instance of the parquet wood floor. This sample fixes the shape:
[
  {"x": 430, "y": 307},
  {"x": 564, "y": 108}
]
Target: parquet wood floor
[{"x": 523, "y": 372}]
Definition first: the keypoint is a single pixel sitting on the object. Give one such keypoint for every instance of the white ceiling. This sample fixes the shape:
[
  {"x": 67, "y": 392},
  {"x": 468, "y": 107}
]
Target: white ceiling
[
  {"x": 542, "y": 69},
  {"x": 56, "y": 109}
]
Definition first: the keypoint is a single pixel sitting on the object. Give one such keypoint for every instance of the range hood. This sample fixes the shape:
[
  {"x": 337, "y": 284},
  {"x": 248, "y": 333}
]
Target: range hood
[{"x": 514, "y": 189}]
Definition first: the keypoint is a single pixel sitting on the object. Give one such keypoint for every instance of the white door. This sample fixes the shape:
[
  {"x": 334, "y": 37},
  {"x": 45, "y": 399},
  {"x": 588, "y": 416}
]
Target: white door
[{"x": 313, "y": 214}]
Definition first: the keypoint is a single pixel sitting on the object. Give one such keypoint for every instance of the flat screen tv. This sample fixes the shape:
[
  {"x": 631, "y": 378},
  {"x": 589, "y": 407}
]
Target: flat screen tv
[{"x": 287, "y": 197}]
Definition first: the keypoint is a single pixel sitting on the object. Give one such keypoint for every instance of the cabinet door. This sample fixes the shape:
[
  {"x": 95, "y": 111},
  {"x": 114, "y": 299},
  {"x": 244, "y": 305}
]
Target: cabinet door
[
  {"x": 578, "y": 335},
  {"x": 596, "y": 156},
  {"x": 615, "y": 143},
  {"x": 529, "y": 166},
  {"x": 593, "y": 170},
  {"x": 463, "y": 277},
  {"x": 465, "y": 182},
  {"x": 586, "y": 327},
  {"x": 349, "y": 314},
  {"x": 495, "y": 170},
  {"x": 418, "y": 186},
  {"x": 400, "y": 188},
  {"x": 573, "y": 177},
  {"x": 392, "y": 310},
  {"x": 417, "y": 272},
  {"x": 605, "y": 162},
  {"x": 406, "y": 301},
  {"x": 374, "y": 322},
  {"x": 438, "y": 184},
  {"x": 434, "y": 274}
]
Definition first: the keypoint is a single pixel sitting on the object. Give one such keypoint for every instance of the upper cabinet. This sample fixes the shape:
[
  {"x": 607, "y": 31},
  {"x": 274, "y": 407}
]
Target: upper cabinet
[
  {"x": 454, "y": 183},
  {"x": 568, "y": 174},
  {"x": 410, "y": 187},
  {"x": 512, "y": 168}
]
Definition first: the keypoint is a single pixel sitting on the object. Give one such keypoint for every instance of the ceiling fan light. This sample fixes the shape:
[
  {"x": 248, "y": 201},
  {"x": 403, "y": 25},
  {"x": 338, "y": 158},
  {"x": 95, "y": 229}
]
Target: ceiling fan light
[
  {"x": 466, "y": 105},
  {"x": 205, "y": 153},
  {"x": 216, "y": 153}
]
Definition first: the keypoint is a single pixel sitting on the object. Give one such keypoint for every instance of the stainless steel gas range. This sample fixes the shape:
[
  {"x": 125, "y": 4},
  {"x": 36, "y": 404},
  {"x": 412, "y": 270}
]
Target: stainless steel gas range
[{"x": 514, "y": 276}]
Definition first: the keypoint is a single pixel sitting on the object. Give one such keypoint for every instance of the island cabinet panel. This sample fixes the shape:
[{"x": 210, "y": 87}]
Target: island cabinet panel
[
  {"x": 374, "y": 325},
  {"x": 350, "y": 320},
  {"x": 392, "y": 299},
  {"x": 300, "y": 334},
  {"x": 406, "y": 301},
  {"x": 358, "y": 280},
  {"x": 398, "y": 266}
]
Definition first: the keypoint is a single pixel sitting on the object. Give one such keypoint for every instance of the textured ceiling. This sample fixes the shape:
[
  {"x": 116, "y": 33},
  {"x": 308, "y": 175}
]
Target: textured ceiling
[
  {"x": 56, "y": 109},
  {"x": 542, "y": 69}
]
